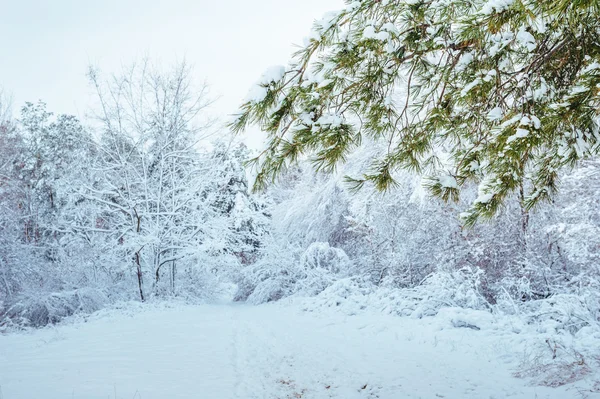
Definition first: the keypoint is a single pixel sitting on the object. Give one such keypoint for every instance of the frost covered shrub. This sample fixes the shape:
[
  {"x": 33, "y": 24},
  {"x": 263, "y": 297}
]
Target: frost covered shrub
[
  {"x": 270, "y": 278},
  {"x": 349, "y": 295},
  {"x": 188, "y": 283},
  {"x": 320, "y": 265},
  {"x": 283, "y": 272},
  {"x": 568, "y": 312},
  {"x": 443, "y": 289},
  {"x": 320, "y": 255},
  {"x": 567, "y": 327},
  {"x": 40, "y": 310},
  {"x": 552, "y": 364},
  {"x": 451, "y": 288},
  {"x": 201, "y": 280}
]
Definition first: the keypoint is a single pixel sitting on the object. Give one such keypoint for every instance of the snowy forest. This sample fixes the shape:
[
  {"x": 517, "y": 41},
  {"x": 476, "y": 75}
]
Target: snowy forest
[{"x": 424, "y": 160}]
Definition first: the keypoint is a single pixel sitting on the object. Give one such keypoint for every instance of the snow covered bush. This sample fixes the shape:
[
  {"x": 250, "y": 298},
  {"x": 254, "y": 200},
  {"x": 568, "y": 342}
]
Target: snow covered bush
[
  {"x": 283, "y": 270},
  {"x": 320, "y": 255},
  {"x": 270, "y": 278},
  {"x": 35, "y": 310},
  {"x": 450, "y": 288},
  {"x": 319, "y": 266}
]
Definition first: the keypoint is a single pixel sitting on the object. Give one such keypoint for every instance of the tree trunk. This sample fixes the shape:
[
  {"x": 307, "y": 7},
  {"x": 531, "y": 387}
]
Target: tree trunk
[
  {"x": 173, "y": 271},
  {"x": 139, "y": 275},
  {"x": 524, "y": 216}
]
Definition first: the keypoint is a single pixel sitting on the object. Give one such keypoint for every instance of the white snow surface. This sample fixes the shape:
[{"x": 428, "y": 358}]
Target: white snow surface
[{"x": 270, "y": 351}]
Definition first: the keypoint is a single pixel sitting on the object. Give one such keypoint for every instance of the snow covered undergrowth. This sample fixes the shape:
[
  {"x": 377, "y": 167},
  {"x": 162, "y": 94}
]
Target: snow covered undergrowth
[{"x": 280, "y": 350}]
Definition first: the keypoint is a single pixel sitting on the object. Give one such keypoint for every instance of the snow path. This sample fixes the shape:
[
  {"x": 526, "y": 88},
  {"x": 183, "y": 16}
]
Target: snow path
[{"x": 244, "y": 352}]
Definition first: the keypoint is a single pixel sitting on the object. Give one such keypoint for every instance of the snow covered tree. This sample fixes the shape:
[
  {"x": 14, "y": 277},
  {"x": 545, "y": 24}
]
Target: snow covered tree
[
  {"x": 500, "y": 92},
  {"x": 229, "y": 195},
  {"x": 9, "y": 141},
  {"x": 150, "y": 173},
  {"x": 10, "y": 145},
  {"x": 175, "y": 212},
  {"x": 5, "y": 108},
  {"x": 52, "y": 164},
  {"x": 45, "y": 246}
]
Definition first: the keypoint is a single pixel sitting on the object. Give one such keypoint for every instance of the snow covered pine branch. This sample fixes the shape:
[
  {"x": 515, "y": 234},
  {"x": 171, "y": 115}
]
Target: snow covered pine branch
[{"x": 501, "y": 92}]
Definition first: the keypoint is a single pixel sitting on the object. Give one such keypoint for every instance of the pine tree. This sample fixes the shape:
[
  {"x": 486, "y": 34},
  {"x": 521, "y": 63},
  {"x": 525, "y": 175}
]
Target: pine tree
[
  {"x": 501, "y": 92},
  {"x": 228, "y": 195}
]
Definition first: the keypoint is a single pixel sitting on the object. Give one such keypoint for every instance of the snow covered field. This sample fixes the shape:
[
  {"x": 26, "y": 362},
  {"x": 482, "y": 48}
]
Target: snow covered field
[{"x": 268, "y": 351}]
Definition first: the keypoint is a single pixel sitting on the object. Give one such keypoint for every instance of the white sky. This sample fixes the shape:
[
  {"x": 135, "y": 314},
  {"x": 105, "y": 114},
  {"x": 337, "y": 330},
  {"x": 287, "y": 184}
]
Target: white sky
[{"x": 48, "y": 44}]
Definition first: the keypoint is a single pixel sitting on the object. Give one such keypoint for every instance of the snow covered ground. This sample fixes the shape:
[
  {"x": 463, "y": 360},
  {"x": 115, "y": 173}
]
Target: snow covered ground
[{"x": 268, "y": 351}]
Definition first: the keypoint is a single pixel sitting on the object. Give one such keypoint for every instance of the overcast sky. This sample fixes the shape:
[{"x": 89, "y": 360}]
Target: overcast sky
[{"x": 48, "y": 44}]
